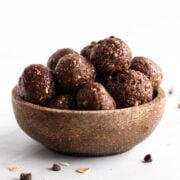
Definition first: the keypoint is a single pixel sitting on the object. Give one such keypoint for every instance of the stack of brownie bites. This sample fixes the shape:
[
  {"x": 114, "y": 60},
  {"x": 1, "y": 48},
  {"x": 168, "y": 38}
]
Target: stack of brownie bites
[{"x": 104, "y": 76}]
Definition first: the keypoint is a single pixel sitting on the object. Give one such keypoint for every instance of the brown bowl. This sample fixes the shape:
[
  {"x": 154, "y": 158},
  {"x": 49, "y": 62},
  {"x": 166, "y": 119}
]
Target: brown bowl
[{"x": 89, "y": 133}]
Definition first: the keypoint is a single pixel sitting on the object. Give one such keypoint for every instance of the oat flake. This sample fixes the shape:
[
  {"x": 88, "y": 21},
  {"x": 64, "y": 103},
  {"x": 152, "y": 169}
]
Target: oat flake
[
  {"x": 64, "y": 164},
  {"x": 83, "y": 170},
  {"x": 15, "y": 168}
]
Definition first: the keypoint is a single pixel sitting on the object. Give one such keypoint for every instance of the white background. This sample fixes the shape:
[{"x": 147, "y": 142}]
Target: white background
[{"x": 31, "y": 30}]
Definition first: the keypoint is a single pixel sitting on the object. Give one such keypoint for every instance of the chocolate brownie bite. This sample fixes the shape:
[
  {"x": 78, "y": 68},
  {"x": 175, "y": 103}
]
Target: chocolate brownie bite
[
  {"x": 93, "y": 96},
  {"x": 86, "y": 51},
  {"x": 111, "y": 55},
  {"x": 130, "y": 88},
  {"x": 54, "y": 58},
  {"x": 149, "y": 68},
  {"x": 73, "y": 71},
  {"x": 36, "y": 84},
  {"x": 65, "y": 101}
]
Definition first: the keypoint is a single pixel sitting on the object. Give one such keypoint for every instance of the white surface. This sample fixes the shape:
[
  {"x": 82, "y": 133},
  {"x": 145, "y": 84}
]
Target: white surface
[{"x": 31, "y": 30}]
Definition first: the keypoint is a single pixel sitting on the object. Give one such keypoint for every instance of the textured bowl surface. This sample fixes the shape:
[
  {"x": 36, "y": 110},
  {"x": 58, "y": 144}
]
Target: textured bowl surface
[{"x": 89, "y": 133}]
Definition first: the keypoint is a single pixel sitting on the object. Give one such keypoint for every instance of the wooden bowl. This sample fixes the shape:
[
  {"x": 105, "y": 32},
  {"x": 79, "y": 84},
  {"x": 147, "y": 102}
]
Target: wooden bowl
[{"x": 88, "y": 133}]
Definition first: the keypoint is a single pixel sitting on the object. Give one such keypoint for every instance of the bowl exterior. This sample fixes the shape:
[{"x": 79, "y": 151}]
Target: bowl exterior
[{"x": 89, "y": 133}]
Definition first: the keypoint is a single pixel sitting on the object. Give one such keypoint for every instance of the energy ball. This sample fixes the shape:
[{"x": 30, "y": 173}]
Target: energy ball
[
  {"x": 111, "y": 55},
  {"x": 149, "y": 68},
  {"x": 130, "y": 88},
  {"x": 54, "y": 58},
  {"x": 86, "y": 51},
  {"x": 36, "y": 84},
  {"x": 73, "y": 71},
  {"x": 93, "y": 96},
  {"x": 62, "y": 102}
]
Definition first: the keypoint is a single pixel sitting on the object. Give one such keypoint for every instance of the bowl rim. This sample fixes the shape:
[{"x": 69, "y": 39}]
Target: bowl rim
[{"x": 16, "y": 97}]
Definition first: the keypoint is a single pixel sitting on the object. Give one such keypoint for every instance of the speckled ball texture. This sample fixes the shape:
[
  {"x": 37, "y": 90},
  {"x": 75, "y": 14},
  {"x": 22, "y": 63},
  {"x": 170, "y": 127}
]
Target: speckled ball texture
[
  {"x": 111, "y": 55},
  {"x": 130, "y": 88},
  {"x": 104, "y": 76},
  {"x": 149, "y": 68},
  {"x": 73, "y": 71},
  {"x": 54, "y": 58},
  {"x": 86, "y": 51},
  {"x": 93, "y": 96},
  {"x": 65, "y": 101},
  {"x": 36, "y": 84}
]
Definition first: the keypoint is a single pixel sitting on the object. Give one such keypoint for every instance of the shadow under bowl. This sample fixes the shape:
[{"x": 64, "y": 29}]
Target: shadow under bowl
[{"x": 88, "y": 133}]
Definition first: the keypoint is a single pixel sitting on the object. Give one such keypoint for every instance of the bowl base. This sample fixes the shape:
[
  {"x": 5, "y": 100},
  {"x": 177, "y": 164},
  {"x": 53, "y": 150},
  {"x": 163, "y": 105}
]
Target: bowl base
[{"x": 77, "y": 154}]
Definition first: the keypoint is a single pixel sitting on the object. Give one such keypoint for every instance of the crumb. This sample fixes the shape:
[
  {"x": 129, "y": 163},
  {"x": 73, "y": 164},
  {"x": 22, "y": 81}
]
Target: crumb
[
  {"x": 147, "y": 158},
  {"x": 82, "y": 170},
  {"x": 15, "y": 168},
  {"x": 170, "y": 92},
  {"x": 24, "y": 176},
  {"x": 64, "y": 164},
  {"x": 56, "y": 167}
]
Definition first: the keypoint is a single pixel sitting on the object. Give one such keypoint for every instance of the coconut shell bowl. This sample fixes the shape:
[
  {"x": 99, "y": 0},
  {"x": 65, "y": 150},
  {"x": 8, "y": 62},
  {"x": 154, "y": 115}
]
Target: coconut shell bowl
[{"x": 88, "y": 133}]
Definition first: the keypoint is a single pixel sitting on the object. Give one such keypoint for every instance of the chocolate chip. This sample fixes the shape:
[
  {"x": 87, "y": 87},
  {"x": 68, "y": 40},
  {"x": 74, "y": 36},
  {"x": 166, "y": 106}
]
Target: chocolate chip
[
  {"x": 100, "y": 41},
  {"x": 24, "y": 176},
  {"x": 147, "y": 158},
  {"x": 56, "y": 167},
  {"x": 112, "y": 36},
  {"x": 170, "y": 92},
  {"x": 93, "y": 42}
]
